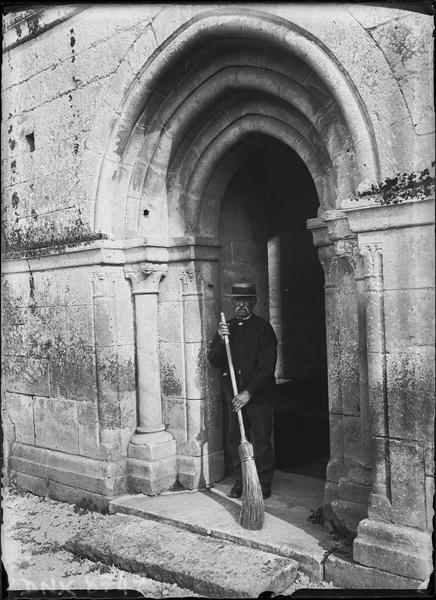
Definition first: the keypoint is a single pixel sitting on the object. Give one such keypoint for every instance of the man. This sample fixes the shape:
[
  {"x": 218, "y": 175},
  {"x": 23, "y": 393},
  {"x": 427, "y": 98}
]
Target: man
[{"x": 254, "y": 352}]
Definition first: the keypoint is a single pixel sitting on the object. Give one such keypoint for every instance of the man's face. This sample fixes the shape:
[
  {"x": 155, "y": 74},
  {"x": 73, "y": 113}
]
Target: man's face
[{"x": 243, "y": 306}]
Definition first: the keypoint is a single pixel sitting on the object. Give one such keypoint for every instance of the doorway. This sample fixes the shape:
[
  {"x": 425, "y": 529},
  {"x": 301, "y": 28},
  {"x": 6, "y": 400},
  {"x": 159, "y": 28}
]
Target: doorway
[{"x": 265, "y": 239}]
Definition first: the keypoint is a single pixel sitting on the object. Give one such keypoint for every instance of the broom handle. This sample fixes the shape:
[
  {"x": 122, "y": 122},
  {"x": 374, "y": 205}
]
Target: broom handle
[{"x": 233, "y": 378}]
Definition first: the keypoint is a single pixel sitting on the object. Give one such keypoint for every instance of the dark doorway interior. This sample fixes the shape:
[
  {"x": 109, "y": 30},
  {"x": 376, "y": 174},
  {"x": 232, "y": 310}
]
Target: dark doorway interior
[{"x": 263, "y": 227}]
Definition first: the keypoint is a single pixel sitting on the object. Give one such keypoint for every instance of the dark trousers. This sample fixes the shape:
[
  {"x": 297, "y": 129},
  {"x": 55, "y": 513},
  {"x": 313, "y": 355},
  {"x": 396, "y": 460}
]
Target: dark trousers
[{"x": 258, "y": 423}]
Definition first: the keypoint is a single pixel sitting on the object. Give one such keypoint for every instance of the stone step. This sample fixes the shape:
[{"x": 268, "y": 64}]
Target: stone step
[
  {"x": 212, "y": 513},
  {"x": 207, "y": 566}
]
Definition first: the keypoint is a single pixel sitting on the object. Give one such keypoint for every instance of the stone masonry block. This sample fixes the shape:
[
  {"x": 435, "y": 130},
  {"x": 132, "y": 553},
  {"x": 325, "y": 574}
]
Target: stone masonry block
[
  {"x": 344, "y": 573},
  {"x": 104, "y": 321},
  {"x": 407, "y": 261},
  {"x": 170, "y": 321},
  {"x": 107, "y": 55},
  {"x": 63, "y": 287},
  {"x": 429, "y": 501},
  {"x": 409, "y": 315},
  {"x": 197, "y": 421},
  {"x": 127, "y": 385},
  {"x": 380, "y": 452},
  {"x": 192, "y": 318},
  {"x": 393, "y": 548},
  {"x": 172, "y": 369},
  {"x": 351, "y": 433},
  {"x": 88, "y": 429},
  {"x": 56, "y": 424},
  {"x": 199, "y": 471},
  {"x": 411, "y": 376},
  {"x": 170, "y": 288},
  {"x": 27, "y": 375},
  {"x": 20, "y": 411},
  {"x": 405, "y": 45},
  {"x": 124, "y": 313},
  {"x": 195, "y": 357},
  {"x": 408, "y": 483},
  {"x": 151, "y": 478},
  {"x": 336, "y": 447},
  {"x": 174, "y": 415},
  {"x": 73, "y": 371},
  {"x": 429, "y": 457}
]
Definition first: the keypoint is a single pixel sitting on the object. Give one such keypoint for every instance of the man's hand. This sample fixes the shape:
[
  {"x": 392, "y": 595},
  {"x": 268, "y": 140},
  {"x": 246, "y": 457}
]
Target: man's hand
[
  {"x": 240, "y": 400},
  {"x": 223, "y": 330}
]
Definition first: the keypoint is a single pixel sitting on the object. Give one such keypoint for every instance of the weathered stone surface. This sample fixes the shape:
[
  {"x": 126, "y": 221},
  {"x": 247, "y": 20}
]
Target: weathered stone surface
[
  {"x": 170, "y": 321},
  {"x": 411, "y": 379},
  {"x": 71, "y": 477},
  {"x": 20, "y": 410},
  {"x": 56, "y": 424},
  {"x": 88, "y": 429},
  {"x": 429, "y": 501},
  {"x": 408, "y": 482},
  {"x": 27, "y": 375},
  {"x": 286, "y": 531},
  {"x": 344, "y": 573},
  {"x": 406, "y": 47},
  {"x": 407, "y": 263},
  {"x": 408, "y": 318},
  {"x": 172, "y": 369},
  {"x": 200, "y": 471},
  {"x": 206, "y": 566},
  {"x": 393, "y": 548},
  {"x": 152, "y": 477}
]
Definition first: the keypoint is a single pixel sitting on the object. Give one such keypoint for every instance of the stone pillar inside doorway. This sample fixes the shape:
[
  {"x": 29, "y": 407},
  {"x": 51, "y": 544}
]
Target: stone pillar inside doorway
[
  {"x": 348, "y": 477},
  {"x": 151, "y": 463}
]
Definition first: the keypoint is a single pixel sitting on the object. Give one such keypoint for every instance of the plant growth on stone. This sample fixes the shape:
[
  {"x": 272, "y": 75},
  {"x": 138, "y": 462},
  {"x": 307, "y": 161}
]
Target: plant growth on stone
[{"x": 404, "y": 186}]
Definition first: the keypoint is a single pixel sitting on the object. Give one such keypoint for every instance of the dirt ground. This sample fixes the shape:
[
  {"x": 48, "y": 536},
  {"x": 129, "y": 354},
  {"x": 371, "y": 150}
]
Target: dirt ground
[{"x": 33, "y": 532}]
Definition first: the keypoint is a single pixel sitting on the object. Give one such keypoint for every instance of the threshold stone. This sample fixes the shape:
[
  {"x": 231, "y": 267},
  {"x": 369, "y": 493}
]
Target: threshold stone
[{"x": 205, "y": 565}]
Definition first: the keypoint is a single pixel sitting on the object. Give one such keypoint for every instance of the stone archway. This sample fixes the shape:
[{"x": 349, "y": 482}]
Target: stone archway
[{"x": 198, "y": 109}]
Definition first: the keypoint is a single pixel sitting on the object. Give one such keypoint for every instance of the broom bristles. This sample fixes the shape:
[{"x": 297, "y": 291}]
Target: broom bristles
[{"x": 253, "y": 510}]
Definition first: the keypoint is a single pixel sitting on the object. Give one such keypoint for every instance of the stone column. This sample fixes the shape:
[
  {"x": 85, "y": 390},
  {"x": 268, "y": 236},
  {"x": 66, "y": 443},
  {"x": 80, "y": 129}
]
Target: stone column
[
  {"x": 335, "y": 465},
  {"x": 354, "y": 487},
  {"x": 152, "y": 450}
]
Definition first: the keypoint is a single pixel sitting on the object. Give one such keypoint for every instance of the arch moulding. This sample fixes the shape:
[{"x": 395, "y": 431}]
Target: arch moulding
[{"x": 121, "y": 154}]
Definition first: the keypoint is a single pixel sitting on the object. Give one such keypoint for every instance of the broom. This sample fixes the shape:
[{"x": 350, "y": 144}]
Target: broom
[{"x": 252, "y": 510}]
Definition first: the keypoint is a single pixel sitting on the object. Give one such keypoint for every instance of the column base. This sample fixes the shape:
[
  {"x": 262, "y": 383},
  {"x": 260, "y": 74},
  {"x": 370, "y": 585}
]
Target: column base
[
  {"x": 347, "y": 516},
  {"x": 394, "y": 548},
  {"x": 351, "y": 505},
  {"x": 344, "y": 573},
  {"x": 199, "y": 471},
  {"x": 151, "y": 463},
  {"x": 330, "y": 495}
]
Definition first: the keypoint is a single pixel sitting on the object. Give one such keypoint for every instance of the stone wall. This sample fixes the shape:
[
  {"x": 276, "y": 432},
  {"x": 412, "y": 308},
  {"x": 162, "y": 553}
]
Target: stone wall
[{"x": 121, "y": 130}]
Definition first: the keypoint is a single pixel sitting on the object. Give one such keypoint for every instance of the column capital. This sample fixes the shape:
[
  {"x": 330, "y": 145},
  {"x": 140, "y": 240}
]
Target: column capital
[
  {"x": 145, "y": 277},
  {"x": 192, "y": 282},
  {"x": 329, "y": 263},
  {"x": 371, "y": 255}
]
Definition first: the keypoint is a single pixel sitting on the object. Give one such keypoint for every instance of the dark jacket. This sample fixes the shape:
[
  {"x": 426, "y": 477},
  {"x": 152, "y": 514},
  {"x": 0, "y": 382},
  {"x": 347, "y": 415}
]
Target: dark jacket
[{"x": 254, "y": 352}]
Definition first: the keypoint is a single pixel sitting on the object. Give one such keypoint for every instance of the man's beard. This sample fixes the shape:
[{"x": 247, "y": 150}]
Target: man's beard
[{"x": 242, "y": 312}]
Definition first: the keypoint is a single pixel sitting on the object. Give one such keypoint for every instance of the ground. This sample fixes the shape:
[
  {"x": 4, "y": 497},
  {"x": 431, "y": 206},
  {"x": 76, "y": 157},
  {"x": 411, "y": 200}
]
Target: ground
[{"x": 33, "y": 532}]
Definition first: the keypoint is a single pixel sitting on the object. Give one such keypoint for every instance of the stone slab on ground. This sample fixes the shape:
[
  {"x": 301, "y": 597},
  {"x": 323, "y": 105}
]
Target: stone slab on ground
[
  {"x": 211, "y": 567},
  {"x": 286, "y": 531},
  {"x": 343, "y": 573}
]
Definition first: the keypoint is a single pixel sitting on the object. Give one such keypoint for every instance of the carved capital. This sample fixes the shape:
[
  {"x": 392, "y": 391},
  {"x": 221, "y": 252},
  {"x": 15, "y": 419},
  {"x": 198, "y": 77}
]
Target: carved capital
[
  {"x": 145, "y": 278},
  {"x": 372, "y": 266},
  {"x": 192, "y": 283},
  {"x": 330, "y": 268}
]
